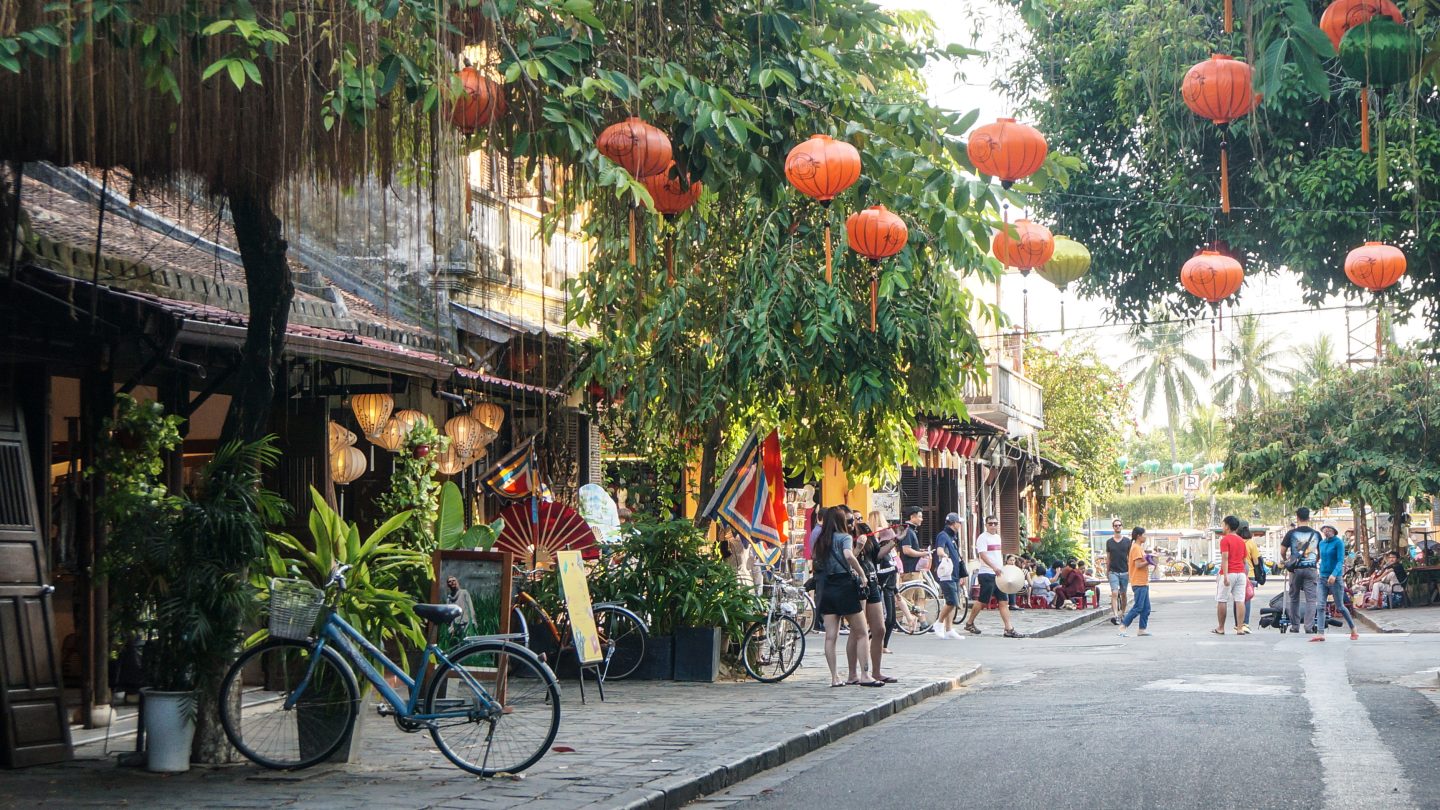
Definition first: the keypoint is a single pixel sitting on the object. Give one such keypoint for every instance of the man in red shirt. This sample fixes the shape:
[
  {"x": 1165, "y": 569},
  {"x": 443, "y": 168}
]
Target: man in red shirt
[{"x": 1230, "y": 581}]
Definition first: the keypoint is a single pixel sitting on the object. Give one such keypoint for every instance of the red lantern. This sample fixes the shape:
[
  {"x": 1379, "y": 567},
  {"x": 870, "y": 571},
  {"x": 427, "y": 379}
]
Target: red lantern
[
  {"x": 954, "y": 444},
  {"x": 876, "y": 234},
  {"x": 1342, "y": 15},
  {"x": 1220, "y": 89},
  {"x": 1375, "y": 266},
  {"x": 483, "y": 102},
  {"x": 673, "y": 194},
  {"x": 933, "y": 437},
  {"x": 641, "y": 149},
  {"x": 1008, "y": 150},
  {"x": 1214, "y": 277},
  {"x": 822, "y": 168},
  {"x": 919, "y": 432},
  {"x": 1031, "y": 246}
]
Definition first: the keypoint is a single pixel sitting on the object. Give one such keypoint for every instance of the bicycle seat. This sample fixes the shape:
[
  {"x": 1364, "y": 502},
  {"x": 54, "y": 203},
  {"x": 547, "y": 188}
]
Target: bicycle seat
[{"x": 439, "y": 614}]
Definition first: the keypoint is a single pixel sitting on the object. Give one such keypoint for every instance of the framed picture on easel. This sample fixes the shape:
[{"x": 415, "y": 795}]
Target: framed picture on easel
[{"x": 480, "y": 583}]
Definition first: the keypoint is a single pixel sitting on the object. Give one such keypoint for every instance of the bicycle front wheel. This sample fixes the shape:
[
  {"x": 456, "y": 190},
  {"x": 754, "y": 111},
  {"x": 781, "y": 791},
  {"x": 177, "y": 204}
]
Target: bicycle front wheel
[
  {"x": 918, "y": 608},
  {"x": 494, "y": 708},
  {"x": 1181, "y": 573},
  {"x": 623, "y": 637},
  {"x": 259, "y": 685},
  {"x": 805, "y": 603},
  {"x": 772, "y": 649}
]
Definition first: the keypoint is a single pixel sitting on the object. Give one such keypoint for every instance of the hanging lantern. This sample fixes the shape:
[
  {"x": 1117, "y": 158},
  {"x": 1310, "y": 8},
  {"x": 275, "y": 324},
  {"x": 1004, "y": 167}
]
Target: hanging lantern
[
  {"x": 1031, "y": 246},
  {"x": 641, "y": 149},
  {"x": 1007, "y": 149},
  {"x": 489, "y": 414},
  {"x": 1378, "y": 54},
  {"x": 1069, "y": 261},
  {"x": 340, "y": 436},
  {"x": 1342, "y": 15},
  {"x": 933, "y": 437},
  {"x": 346, "y": 464},
  {"x": 407, "y": 420},
  {"x": 371, "y": 412},
  {"x": 391, "y": 437},
  {"x": 483, "y": 101},
  {"x": 1375, "y": 266},
  {"x": 876, "y": 234},
  {"x": 450, "y": 462},
  {"x": 1220, "y": 89},
  {"x": 822, "y": 168},
  {"x": 1213, "y": 277},
  {"x": 467, "y": 435},
  {"x": 522, "y": 359},
  {"x": 673, "y": 195}
]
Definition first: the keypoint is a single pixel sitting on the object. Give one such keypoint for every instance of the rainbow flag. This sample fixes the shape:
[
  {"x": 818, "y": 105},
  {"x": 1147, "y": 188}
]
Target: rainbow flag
[
  {"x": 515, "y": 475},
  {"x": 750, "y": 497}
]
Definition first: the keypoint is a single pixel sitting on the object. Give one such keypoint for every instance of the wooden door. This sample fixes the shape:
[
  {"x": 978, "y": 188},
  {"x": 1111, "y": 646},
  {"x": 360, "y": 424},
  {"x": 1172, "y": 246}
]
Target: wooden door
[{"x": 33, "y": 729}]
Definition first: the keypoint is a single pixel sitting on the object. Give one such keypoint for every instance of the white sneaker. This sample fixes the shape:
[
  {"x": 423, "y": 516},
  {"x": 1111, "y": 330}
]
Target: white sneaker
[
  {"x": 937, "y": 629},
  {"x": 955, "y": 634}
]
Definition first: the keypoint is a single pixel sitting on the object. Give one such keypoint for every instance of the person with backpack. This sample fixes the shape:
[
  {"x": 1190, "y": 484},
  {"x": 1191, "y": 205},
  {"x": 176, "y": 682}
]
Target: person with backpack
[
  {"x": 1300, "y": 554},
  {"x": 1332, "y": 564}
]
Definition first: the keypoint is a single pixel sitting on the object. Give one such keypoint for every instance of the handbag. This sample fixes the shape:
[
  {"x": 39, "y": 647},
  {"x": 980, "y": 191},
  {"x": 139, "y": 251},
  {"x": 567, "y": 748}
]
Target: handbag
[
  {"x": 1260, "y": 573},
  {"x": 1249, "y": 589}
]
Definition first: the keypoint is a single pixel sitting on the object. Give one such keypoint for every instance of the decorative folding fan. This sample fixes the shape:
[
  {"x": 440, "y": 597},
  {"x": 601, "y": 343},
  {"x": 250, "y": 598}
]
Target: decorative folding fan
[{"x": 534, "y": 544}]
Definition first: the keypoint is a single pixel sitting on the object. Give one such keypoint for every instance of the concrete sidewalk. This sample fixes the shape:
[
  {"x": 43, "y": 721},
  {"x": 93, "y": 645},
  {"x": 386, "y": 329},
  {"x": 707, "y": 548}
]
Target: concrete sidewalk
[
  {"x": 1401, "y": 620},
  {"x": 651, "y": 745}
]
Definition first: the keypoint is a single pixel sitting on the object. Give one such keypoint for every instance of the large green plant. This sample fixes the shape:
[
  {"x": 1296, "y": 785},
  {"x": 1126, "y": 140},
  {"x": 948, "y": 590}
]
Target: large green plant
[
  {"x": 450, "y": 531},
  {"x": 373, "y": 600},
  {"x": 413, "y": 488},
  {"x": 671, "y": 574}
]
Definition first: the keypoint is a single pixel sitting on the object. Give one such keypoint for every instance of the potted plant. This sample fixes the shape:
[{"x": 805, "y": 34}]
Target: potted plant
[
  {"x": 189, "y": 600},
  {"x": 373, "y": 602}
]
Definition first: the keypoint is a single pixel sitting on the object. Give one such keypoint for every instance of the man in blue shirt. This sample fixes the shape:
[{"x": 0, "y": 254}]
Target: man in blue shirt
[{"x": 946, "y": 549}]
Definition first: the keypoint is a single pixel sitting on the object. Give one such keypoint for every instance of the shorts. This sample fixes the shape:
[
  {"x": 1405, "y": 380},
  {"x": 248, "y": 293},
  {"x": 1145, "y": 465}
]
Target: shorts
[
  {"x": 950, "y": 589},
  {"x": 872, "y": 592},
  {"x": 989, "y": 590},
  {"x": 1119, "y": 582},
  {"x": 1231, "y": 588}
]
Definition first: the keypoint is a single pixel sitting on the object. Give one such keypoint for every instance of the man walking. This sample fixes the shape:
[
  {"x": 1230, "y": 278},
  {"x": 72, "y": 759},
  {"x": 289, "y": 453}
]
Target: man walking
[
  {"x": 1230, "y": 580},
  {"x": 1300, "y": 554},
  {"x": 988, "y": 562},
  {"x": 947, "y": 549},
  {"x": 1117, "y": 555}
]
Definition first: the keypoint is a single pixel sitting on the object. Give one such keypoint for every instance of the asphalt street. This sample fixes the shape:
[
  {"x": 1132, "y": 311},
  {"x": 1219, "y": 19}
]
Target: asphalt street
[{"x": 1179, "y": 719}]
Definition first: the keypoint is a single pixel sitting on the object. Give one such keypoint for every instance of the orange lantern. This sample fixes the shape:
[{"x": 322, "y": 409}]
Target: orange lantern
[
  {"x": 1342, "y": 15},
  {"x": 641, "y": 149},
  {"x": 1008, "y": 150},
  {"x": 483, "y": 102},
  {"x": 673, "y": 194},
  {"x": 1212, "y": 276},
  {"x": 1220, "y": 89},
  {"x": 822, "y": 168},
  {"x": 1375, "y": 265},
  {"x": 876, "y": 234},
  {"x": 1030, "y": 247}
]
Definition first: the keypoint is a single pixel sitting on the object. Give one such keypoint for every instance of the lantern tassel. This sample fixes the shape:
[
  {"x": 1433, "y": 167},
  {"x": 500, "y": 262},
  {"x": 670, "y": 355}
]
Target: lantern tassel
[
  {"x": 632, "y": 235},
  {"x": 1365, "y": 120},
  {"x": 1062, "y": 316},
  {"x": 874, "y": 295},
  {"x": 1382, "y": 171},
  {"x": 1224, "y": 177},
  {"x": 1229, "y": 16},
  {"x": 1213, "y": 353},
  {"x": 670, "y": 262},
  {"x": 827, "y": 252}
]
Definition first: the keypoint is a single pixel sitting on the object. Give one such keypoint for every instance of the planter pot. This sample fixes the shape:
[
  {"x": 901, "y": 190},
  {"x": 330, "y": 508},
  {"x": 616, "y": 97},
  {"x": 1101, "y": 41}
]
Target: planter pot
[
  {"x": 169, "y": 730},
  {"x": 697, "y": 654},
  {"x": 659, "y": 661}
]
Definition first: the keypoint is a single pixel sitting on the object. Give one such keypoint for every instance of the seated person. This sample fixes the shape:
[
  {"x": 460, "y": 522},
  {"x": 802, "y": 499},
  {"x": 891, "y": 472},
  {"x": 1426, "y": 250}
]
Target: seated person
[
  {"x": 1072, "y": 584},
  {"x": 1040, "y": 588},
  {"x": 1391, "y": 573}
]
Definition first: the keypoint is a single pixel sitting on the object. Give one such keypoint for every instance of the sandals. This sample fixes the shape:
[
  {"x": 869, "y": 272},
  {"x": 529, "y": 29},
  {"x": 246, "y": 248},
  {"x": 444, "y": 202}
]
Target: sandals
[
  {"x": 838, "y": 685},
  {"x": 872, "y": 683},
  {"x": 888, "y": 679},
  {"x": 970, "y": 628},
  {"x": 1012, "y": 633},
  {"x": 1215, "y": 632}
]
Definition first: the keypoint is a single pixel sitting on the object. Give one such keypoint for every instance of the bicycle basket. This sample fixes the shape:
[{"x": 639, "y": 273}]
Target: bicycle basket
[{"x": 294, "y": 606}]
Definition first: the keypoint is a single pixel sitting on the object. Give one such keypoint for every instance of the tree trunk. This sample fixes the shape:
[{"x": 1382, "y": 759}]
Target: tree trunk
[
  {"x": 1398, "y": 508},
  {"x": 1170, "y": 428},
  {"x": 709, "y": 452},
  {"x": 1362, "y": 537},
  {"x": 269, "y": 288}
]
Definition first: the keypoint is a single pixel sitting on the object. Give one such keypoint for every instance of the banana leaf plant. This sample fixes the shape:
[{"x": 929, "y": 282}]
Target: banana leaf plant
[{"x": 450, "y": 529}]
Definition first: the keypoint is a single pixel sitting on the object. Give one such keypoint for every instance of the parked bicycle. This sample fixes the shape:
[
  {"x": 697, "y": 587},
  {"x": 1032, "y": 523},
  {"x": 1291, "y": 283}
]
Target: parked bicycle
[
  {"x": 918, "y": 603},
  {"x": 490, "y": 704},
  {"x": 623, "y": 634},
  {"x": 773, "y": 647}
]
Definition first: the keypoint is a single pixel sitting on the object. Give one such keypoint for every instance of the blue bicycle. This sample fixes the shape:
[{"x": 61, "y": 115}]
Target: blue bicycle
[{"x": 490, "y": 704}]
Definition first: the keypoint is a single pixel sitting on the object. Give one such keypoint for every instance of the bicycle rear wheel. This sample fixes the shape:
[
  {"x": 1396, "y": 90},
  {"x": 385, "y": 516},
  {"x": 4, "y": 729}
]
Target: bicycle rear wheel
[
  {"x": 917, "y": 607},
  {"x": 501, "y": 707},
  {"x": 624, "y": 637},
  {"x": 805, "y": 603},
  {"x": 254, "y": 691},
  {"x": 772, "y": 649}
]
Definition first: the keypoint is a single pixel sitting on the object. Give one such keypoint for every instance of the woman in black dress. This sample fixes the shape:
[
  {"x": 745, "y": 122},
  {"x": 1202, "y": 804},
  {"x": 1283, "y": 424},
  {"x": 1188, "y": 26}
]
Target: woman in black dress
[{"x": 837, "y": 582}]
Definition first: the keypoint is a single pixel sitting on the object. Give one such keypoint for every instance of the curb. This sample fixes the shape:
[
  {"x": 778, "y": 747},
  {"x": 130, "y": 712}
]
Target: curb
[
  {"x": 1071, "y": 624},
  {"x": 676, "y": 791},
  {"x": 1361, "y": 617}
]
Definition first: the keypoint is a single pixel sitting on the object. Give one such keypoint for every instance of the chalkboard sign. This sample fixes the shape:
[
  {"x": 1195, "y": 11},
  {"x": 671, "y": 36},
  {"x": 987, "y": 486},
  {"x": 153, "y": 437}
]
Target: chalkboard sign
[{"x": 482, "y": 589}]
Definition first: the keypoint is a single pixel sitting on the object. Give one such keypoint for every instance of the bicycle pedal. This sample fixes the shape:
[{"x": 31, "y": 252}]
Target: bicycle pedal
[{"x": 384, "y": 710}]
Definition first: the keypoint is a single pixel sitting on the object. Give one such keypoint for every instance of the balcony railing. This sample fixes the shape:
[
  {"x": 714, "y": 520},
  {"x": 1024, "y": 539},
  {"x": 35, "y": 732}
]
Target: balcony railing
[{"x": 1007, "y": 398}]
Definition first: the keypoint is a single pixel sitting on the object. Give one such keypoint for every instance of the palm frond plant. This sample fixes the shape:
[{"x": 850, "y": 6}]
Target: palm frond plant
[{"x": 1163, "y": 366}]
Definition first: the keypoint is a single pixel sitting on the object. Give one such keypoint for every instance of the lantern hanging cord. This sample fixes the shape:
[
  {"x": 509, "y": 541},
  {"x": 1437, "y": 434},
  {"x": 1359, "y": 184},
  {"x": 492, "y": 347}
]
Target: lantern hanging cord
[
  {"x": 1131, "y": 201},
  {"x": 1166, "y": 321}
]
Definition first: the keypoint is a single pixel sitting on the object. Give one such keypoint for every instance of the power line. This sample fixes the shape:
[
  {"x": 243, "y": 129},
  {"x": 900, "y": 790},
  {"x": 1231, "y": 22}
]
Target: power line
[{"x": 1161, "y": 322}]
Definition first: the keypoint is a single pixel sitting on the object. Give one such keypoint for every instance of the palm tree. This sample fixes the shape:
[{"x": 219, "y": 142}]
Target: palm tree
[
  {"x": 1206, "y": 433},
  {"x": 1252, "y": 364},
  {"x": 1317, "y": 362},
  {"x": 1165, "y": 367}
]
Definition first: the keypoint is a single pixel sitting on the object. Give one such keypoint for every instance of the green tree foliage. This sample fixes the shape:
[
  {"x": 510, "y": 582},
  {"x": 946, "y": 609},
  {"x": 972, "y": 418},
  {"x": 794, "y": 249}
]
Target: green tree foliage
[
  {"x": 1163, "y": 366},
  {"x": 1086, "y": 408},
  {"x": 1102, "y": 79},
  {"x": 1169, "y": 511},
  {"x": 1206, "y": 436},
  {"x": 1315, "y": 363},
  {"x": 1250, "y": 365},
  {"x": 1370, "y": 436}
]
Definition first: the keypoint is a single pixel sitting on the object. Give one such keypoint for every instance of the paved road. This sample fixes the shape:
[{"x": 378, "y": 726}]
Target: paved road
[{"x": 1177, "y": 720}]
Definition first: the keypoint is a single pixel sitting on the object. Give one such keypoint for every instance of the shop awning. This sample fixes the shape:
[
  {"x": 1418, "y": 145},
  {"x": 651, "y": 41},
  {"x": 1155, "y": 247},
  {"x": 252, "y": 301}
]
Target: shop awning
[{"x": 500, "y": 327}]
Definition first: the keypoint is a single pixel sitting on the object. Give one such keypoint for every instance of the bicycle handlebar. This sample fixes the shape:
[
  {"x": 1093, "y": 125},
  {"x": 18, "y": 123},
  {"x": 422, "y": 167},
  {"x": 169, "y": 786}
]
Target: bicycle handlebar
[{"x": 337, "y": 576}]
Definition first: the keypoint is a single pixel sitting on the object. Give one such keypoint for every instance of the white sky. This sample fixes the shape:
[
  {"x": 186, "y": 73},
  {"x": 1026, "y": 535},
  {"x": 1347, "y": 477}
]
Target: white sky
[{"x": 985, "y": 24}]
